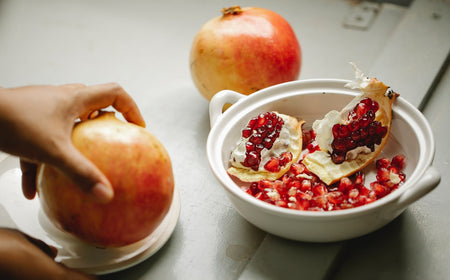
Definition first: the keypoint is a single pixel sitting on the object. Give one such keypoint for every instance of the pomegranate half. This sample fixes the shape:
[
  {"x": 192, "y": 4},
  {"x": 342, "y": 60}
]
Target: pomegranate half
[
  {"x": 244, "y": 50},
  {"x": 270, "y": 143},
  {"x": 139, "y": 170},
  {"x": 350, "y": 139}
]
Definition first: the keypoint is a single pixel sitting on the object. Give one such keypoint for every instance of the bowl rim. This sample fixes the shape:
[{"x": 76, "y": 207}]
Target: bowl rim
[{"x": 310, "y": 86}]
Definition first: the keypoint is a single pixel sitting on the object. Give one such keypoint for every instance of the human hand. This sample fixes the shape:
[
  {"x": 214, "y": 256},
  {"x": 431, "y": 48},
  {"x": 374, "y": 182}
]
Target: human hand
[
  {"x": 24, "y": 257},
  {"x": 36, "y": 123}
]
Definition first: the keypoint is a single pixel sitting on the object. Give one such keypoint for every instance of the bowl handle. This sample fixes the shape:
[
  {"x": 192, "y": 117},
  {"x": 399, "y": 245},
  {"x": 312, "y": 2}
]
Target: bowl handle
[
  {"x": 427, "y": 183},
  {"x": 218, "y": 102}
]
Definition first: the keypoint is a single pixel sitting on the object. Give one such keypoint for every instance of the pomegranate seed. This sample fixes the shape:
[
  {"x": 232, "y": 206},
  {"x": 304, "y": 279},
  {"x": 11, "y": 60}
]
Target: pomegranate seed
[
  {"x": 353, "y": 193},
  {"x": 338, "y": 145},
  {"x": 297, "y": 168},
  {"x": 335, "y": 197},
  {"x": 383, "y": 163},
  {"x": 363, "y": 122},
  {"x": 360, "y": 109},
  {"x": 313, "y": 147},
  {"x": 353, "y": 126},
  {"x": 383, "y": 175},
  {"x": 379, "y": 189},
  {"x": 320, "y": 189},
  {"x": 252, "y": 123},
  {"x": 335, "y": 130},
  {"x": 338, "y": 157},
  {"x": 273, "y": 165},
  {"x": 393, "y": 169},
  {"x": 359, "y": 178},
  {"x": 398, "y": 161},
  {"x": 343, "y": 131},
  {"x": 305, "y": 186},
  {"x": 307, "y": 137},
  {"x": 254, "y": 188},
  {"x": 246, "y": 132},
  {"x": 252, "y": 160},
  {"x": 345, "y": 184},
  {"x": 285, "y": 158}
]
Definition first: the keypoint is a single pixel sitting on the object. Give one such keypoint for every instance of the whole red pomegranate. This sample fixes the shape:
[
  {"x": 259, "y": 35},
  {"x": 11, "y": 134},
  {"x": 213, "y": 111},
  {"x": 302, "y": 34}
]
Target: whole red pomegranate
[
  {"x": 139, "y": 170},
  {"x": 244, "y": 50}
]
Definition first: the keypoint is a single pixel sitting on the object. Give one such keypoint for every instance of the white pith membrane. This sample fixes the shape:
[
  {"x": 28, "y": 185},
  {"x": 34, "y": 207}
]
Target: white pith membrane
[
  {"x": 289, "y": 140},
  {"x": 320, "y": 162}
]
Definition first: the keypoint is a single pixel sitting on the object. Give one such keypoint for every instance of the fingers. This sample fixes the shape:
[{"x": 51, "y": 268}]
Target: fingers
[
  {"x": 85, "y": 175},
  {"x": 24, "y": 257},
  {"x": 50, "y": 251},
  {"x": 101, "y": 96},
  {"x": 28, "y": 178}
]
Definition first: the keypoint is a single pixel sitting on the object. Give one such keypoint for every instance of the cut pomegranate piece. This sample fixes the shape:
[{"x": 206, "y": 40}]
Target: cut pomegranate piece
[
  {"x": 270, "y": 143},
  {"x": 349, "y": 140}
]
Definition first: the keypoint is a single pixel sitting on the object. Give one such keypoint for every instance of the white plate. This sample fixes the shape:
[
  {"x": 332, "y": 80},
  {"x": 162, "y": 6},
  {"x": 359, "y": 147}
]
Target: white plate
[{"x": 29, "y": 218}]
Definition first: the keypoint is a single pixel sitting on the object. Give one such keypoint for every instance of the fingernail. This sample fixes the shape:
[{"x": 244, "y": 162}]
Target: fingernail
[{"x": 102, "y": 192}]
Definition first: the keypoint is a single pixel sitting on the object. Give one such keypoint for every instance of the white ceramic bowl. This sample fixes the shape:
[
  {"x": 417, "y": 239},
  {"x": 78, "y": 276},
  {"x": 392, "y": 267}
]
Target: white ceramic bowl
[{"x": 310, "y": 100}]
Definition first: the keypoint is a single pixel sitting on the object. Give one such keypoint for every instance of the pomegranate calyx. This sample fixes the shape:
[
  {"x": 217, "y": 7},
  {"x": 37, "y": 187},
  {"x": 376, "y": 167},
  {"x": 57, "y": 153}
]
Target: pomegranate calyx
[{"x": 233, "y": 10}]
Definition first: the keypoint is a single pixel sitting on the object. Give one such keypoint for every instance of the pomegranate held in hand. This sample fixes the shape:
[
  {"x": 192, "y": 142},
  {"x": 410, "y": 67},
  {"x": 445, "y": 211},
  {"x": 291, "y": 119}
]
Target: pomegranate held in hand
[
  {"x": 350, "y": 139},
  {"x": 139, "y": 170},
  {"x": 244, "y": 50}
]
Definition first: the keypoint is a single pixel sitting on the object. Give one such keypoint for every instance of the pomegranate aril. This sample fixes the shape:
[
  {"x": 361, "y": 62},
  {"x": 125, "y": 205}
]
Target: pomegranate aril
[
  {"x": 372, "y": 128},
  {"x": 343, "y": 131},
  {"x": 252, "y": 123},
  {"x": 254, "y": 188},
  {"x": 356, "y": 136},
  {"x": 379, "y": 189},
  {"x": 360, "y": 109},
  {"x": 268, "y": 143},
  {"x": 345, "y": 184},
  {"x": 285, "y": 158},
  {"x": 249, "y": 146},
  {"x": 381, "y": 131},
  {"x": 335, "y": 197},
  {"x": 398, "y": 161},
  {"x": 383, "y": 175},
  {"x": 338, "y": 157},
  {"x": 335, "y": 130},
  {"x": 273, "y": 165},
  {"x": 297, "y": 168},
  {"x": 246, "y": 132},
  {"x": 320, "y": 189},
  {"x": 363, "y": 122},
  {"x": 307, "y": 137},
  {"x": 359, "y": 178},
  {"x": 353, "y": 126},
  {"x": 256, "y": 138},
  {"x": 305, "y": 186},
  {"x": 338, "y": 145},
  {"x": 363, "y": 133}
]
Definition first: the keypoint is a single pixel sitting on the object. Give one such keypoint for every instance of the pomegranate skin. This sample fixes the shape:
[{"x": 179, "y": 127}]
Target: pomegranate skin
[
  {"x": 245, "y": 51},
  {"x": 139, "y": 170}
]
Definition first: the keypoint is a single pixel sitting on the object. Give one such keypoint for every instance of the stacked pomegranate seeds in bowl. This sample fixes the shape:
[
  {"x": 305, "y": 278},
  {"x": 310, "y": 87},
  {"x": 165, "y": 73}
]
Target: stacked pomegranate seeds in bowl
[{"x": 302, "y": 190}]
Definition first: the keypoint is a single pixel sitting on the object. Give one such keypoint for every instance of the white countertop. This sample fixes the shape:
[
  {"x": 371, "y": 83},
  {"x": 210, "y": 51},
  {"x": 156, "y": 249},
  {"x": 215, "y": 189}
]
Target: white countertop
[{"x": 144, "y": 45}]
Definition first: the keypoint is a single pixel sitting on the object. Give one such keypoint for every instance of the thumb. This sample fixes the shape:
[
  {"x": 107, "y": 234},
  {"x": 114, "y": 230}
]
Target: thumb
[{"x": 86, "y": 175}]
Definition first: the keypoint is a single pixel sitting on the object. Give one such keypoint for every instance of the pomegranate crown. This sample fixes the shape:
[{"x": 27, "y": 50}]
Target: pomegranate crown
[{"x": 233, "y": 10}]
